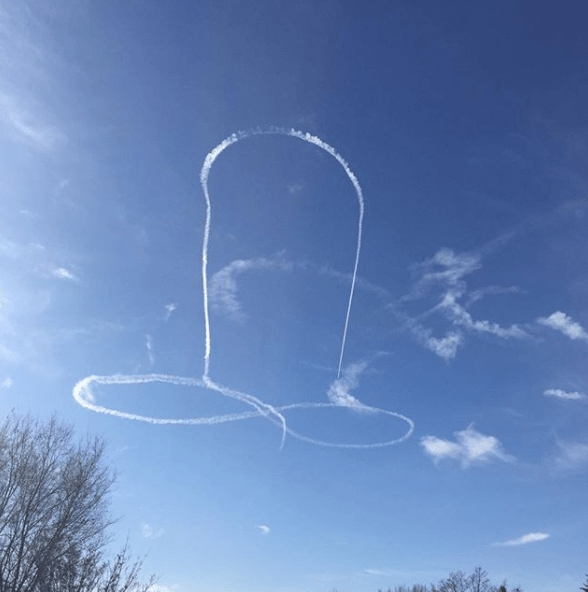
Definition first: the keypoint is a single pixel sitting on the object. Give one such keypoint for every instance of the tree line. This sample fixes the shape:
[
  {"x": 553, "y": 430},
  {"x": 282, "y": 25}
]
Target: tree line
[
  {"x": 55, "y": 520},
  {"x": 54, "y": 513}
]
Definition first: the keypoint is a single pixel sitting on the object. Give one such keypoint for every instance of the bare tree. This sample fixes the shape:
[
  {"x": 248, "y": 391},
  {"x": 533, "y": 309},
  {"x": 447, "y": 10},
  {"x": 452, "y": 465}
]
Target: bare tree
[
  {"x": 477, "y": 581},
  {"x": 455, "y": 582},
  {"x": 54, "y": 513}
]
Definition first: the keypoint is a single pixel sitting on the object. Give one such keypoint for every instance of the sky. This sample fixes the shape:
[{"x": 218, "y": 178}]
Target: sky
[{"x": 316, "y": 271}]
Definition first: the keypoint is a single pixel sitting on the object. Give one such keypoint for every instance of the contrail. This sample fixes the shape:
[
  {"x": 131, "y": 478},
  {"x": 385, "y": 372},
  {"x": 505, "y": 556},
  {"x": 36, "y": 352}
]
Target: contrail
[
  {"x": 204, "y": 173},
  {"x": 84, "y": 395}
]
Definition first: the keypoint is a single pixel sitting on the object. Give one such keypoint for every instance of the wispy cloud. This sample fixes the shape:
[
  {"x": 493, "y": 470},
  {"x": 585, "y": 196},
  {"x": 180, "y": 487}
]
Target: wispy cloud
[
  {"x": 532, "y": 537},
  {"x": 6, "y": 383},
  {"x": 224, "y": 287},
  {"x": 339, "y": 392},
  {"x": 169, "y": 310},
  {"x": 571, "y": 456},
  {"x": 28, "y": 69},
  {"x": 62, "y": 273},
  {"x": 151, "y": 533},
  {"x": 295, "y": 188},
  {"x": 476, "y": 295},
  {"x": 264, "y": 528},
  {"x": 61, "y": 186},
  {"x": 559, "y": 321},
  {"x": 470, "y": 448},
  {"x": 445, "y": 267},
  {"x": 461, "y": 317},
  {"x": 27, "y": 126},
  {"x": 163, "y": 588},
  {"x": 380, "y": 572},
  {"x": 445, "y": 347},
  {"x": 565, "y": 395},
  {"x": 149, "y": 346},
  {"x": 443, "y": 277}
]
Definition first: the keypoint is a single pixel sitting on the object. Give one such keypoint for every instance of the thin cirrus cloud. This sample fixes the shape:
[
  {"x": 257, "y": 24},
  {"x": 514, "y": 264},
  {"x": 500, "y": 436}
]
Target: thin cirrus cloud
[
  {"x": 571, "y": 456},
  {"x": 6, "y": 383},
  {"x": 442, "y": 277},
  {"x": 461, "y": 317},
  {"x": 151, "y": 533},
  {"x": 224, "y": 286},
  {"x": 469, "y": 448},
  {"x": 264, "y": 528},
  {"x": 26, "y": 64},
  {"x": 560, "y": 321},
  {"x": 169, "y": 310},
  {"x": 149, "y": 347},
  {"x": 564, "y": 395},
  {"x": 61, "y": 273},
  {"x": 532, "y": 537},
  {"x": 27, "y": 127},
  {"x": 446, "y": 269}
]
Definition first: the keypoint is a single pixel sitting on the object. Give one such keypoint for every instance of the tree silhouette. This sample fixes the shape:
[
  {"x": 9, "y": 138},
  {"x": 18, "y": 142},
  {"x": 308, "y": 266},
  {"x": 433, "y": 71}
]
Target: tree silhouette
[{"x": 54, "y": 498}]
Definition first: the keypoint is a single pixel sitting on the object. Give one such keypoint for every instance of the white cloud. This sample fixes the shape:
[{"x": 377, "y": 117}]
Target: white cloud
[
  {"x": 560, "y": 394},
  {"x": 61, "y": 186},
  {"x": 264, "y": 528},
  {"x": 224, "y": 288},
  {"x": 295, "y": 188},
  {"x": 150, "y": 533},
  {"x": 169, "y": 309},
  {"x": 149, "y": 346},
  {"x": 532, "y": 537},
  {"x": 470, "y": 448},
  {"x": 560, "y": 321},
  {"x": 379, "y": 572},
  {"x": 62, "y": 273},
  {"x": 445, "y": 267},
  {"x": 339, "y": 390},
  {"x": 445, "y": 347},
  {"x": 460, "y": 316},
  {"x": 6, "y": 383},
  {"x": 163, "y": 588},
  {"x": 28, "y": 128},
  {"x": 476, "y": 295},
  {"x": 442, "y": 276},
  {"x": 571, "y": 456}
]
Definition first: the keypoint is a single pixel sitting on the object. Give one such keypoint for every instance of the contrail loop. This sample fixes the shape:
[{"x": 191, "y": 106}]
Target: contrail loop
[
  {"x": 82, "y": 391},
  {"x": 204, "y": 173}
]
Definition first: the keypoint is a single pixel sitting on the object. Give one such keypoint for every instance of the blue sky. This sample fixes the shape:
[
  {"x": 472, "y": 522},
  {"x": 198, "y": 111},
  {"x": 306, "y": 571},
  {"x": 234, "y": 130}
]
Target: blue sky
[{"x": 456, "y": 422}]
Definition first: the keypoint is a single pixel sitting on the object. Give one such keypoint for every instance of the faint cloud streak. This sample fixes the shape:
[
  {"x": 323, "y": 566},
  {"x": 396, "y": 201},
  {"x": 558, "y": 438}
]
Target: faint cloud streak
[
  {"x": 150, "y": 533},
  {"x": 564, "y": 395},
  {"x": 532, "y": 537},
  {"x": 62, "y": 273}
]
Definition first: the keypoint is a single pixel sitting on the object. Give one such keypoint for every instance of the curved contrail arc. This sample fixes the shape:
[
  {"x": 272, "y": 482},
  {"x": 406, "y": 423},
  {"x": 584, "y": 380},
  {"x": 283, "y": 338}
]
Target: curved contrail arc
[
  {"x": 204, "y": 174},
  {"x": 83, "y": 392}
]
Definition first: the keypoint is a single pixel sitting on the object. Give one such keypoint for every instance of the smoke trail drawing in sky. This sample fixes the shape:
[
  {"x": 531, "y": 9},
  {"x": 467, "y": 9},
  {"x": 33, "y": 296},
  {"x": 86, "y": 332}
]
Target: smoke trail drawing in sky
[{"x": 339, "y": 391}]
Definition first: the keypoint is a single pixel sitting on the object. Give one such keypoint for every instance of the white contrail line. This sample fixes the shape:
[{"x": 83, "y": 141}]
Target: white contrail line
[
  {"x": 84, "y": 395},
  {"x": 205, "y": 172}
]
